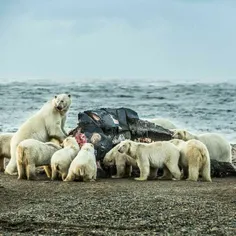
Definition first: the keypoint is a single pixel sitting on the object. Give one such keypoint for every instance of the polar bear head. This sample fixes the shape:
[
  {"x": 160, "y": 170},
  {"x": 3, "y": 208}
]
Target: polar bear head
[
  {"x": 62, "y": 102},
  {"x": 88, "y": 147},
  {"x": 124, "y": 146},
  {"x": 182, "y": 134},
  {"x": 109, "y": 159},
  {"x": 96, "y": 137},
  {"x": 70, "y": 142}
]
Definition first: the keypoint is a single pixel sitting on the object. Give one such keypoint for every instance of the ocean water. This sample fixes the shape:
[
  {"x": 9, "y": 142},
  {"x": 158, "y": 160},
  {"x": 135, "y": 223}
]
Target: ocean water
[{"x": 198, "y": 107}]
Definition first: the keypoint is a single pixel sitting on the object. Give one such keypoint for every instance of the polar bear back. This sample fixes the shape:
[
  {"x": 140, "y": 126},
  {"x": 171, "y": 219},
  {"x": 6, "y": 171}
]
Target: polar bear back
[
  {"x": 165, "y": 123},
  {"x": 159, "y": 152},
  {"x": 218, "y": 147},
  {"x": 63, "y": 156},
  {"x": 38, "y": 153},
  {"x": 84, "y": 157}
]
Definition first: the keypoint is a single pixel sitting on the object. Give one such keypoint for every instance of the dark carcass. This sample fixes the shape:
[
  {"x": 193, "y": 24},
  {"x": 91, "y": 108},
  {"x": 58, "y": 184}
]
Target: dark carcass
[{"x": 115, "y": 125}]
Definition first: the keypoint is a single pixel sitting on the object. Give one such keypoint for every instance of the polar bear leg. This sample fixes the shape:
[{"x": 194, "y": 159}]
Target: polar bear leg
[
  {"x": 48, "y": 171},
  {"x": 63, "y": 175},
  {"x": 30, "y": 172},
  {"x": 144, "y": 168},
  {"x": 185, "y": 173},
  {"x": 70, "y": 177},
  {"x": 174, "y": 170},
  {"x": 1, "y": 163},
  {"x": 128, "y": 170},
  {"x": 153, "y": 173},
  {"x": 21, "y": 171},
  {"x": 95, "y": 174},
  {"x": 193, "y": 173},
  {"x": 54, "y": 172},
  {"x": 206, "y": 172},
  {"x": 120, "y": 171},
  {"x": 166, "y": 174},
  {"x": 11, "y": 168}
]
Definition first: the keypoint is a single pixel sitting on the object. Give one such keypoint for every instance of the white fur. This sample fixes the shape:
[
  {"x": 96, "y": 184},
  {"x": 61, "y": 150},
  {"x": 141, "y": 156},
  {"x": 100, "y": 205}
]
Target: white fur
[
  {"x": 194, "y": 159},
  {"x": 47, "y": 123},
  {"x": 218, "y": 147},
  {"x": 84, "y": 164},
  {"x": 122, "y": 161},
  {"x": 151, "y": 156},
  {"x": 165, "y": 123},
  {"x": 61, "y": 159},
  {"x": 32, "y": 153},
  {"x": 5, "y": 152}
]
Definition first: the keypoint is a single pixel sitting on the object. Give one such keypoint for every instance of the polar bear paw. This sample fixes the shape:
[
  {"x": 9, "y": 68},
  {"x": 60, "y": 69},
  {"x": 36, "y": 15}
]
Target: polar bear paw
[{"x": 141, "y": 178}]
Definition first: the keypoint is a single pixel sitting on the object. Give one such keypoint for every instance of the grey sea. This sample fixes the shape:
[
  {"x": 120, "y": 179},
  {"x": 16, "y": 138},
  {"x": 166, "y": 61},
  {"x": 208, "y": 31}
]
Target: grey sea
[{"x": 198, "y": 107}]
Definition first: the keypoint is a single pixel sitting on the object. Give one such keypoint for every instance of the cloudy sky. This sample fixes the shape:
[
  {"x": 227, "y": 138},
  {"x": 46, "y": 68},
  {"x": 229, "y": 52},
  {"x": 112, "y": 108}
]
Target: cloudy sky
[{"x": 157, "y": 39}]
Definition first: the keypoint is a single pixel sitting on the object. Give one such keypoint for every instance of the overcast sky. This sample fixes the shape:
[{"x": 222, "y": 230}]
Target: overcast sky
[{"x": 157, "y": 39}]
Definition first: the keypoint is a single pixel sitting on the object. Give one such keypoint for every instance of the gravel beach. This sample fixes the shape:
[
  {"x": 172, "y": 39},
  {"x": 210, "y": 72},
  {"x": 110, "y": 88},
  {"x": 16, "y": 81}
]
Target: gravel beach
[{"x": 117, "y": 207}]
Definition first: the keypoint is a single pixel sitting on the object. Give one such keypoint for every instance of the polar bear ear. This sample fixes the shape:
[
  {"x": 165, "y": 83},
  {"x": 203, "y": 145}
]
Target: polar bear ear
[
  {"x": 184, "y": 133},
  {"x": 69, "y": 95}
]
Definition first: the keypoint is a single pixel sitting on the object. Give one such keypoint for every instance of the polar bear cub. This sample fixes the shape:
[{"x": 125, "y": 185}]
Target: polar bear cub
[
  {"x": 218, "y": 147},
  {"x": 61, "y": 159},
  {"x": 151, "y": 156},
  {"x": 32, "y": 153},
  {"x": 5, "y": 148},
  {"x": 122, "y": 161},
  {"x": 84, "y": 164},
  {"x": 46, "y": 124},
  {"x": 194, "y": 159}
]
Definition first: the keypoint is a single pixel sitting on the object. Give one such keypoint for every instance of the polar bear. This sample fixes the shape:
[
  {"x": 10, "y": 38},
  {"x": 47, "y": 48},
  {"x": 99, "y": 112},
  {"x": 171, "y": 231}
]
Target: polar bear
[
  {"x": 5, "y": 149},
  {"x": 218, "y": 147},
  {"x": 47, "y": 123},
  {"x": 165, "y": 123},
  {"x": 122, "y": 161},
  {"x": 151, "y": 156},
  {"x": 61, "y": 159},
  {"x": 194, "y": 159},
  {"x": 31, "y": 153},
  {"x": 84, "y": 164}
]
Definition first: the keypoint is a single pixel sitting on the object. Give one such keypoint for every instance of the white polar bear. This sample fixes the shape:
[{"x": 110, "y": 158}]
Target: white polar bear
[
  {"x": 61, "y": 159},
  {"x": 218, "y": 147},
  {"x": 47, "y": 123},
  {"x": 165, "y": 123},
  {"x": 31, "y": 153},
  {"x": 151, "y": 156},
  {"x": 84, "y": 164},
  {"x": 122, "y": 161},
  {"x": 194, "y": 159},
  {"x": 5, "y": 148}
]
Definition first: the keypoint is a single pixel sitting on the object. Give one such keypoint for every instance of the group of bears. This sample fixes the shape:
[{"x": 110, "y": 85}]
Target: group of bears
[{"x": 43, "y": 141}]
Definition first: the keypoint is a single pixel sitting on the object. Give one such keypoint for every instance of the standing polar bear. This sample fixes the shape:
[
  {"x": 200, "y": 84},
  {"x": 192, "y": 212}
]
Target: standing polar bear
[
  {"x": 194, "y": 159},
  {"x": 122, "y": 161},
  {"x": 151, "y": 156},
  {"x": 47, "y": 123},
  {"x": 84, "y": 164},
  {"x": 61, "y": 159},
  {"x": 31, "y": 153},
  {"x": 218, "y": 147},
  {"x": 5, "y": 148}
]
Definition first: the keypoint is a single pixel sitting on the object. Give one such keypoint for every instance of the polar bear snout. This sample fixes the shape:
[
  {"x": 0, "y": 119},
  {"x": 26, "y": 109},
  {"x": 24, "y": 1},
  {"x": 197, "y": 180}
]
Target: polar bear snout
[
  {"x": 59, "y": 107},
  {"x": 108, "y": 162}
]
